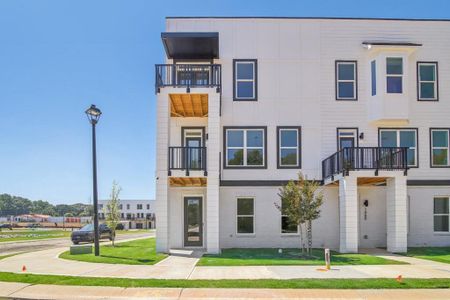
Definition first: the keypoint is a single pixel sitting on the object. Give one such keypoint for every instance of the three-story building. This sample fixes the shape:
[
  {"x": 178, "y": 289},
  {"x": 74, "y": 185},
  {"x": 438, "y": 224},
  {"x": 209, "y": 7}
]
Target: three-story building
[{"x": 245, "y": 104}]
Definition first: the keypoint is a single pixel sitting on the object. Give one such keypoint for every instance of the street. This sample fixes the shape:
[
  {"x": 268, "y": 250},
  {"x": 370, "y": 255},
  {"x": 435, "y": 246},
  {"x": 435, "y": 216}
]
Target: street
[{"x": 7, "y": 248}]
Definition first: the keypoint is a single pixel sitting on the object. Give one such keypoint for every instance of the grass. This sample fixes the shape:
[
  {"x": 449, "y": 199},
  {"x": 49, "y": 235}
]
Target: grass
[
  {"x": 131, "y": 231},
  {"x": 9, "y": 255},
  {"x": 27, "y": 235},
  {"x": 137, "y": 252},
  {"x": 269, "y": 256},
  {"x": 439, "y": 254},
  {"x": 376, "y": 283}
]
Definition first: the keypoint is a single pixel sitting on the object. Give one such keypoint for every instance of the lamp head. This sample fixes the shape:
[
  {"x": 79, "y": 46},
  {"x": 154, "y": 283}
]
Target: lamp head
[{"x": 93, "y": 114}]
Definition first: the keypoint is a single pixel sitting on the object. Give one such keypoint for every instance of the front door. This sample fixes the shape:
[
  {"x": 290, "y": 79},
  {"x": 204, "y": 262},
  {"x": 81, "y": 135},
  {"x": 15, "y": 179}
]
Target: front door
[
  {"x": 193, "y": 222},
  {"x": 346, "y": 142},
  {"x": 193, "y": 152}
]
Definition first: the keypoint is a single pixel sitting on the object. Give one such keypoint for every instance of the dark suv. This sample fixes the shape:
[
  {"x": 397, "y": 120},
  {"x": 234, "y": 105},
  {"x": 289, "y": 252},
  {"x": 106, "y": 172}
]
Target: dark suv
[{"x": 86, "y": 233}]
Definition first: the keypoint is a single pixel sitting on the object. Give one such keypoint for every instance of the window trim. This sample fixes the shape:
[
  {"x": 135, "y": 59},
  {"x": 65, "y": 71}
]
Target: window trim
[
  {"x": 253, "y": 216},
  {"x": 402, "y": 76},
  {"x": 436, "y": 82},
  {"x": 431, "y": 147},
  {"x": 400, "y": 129},
  {"x": 255, "y": 79},
  {"x": 225, "y": 154},
  {"x": 447, "y": 214},
  {"x": 355, "y": 80},
  {"x": 299, "y": 147}
]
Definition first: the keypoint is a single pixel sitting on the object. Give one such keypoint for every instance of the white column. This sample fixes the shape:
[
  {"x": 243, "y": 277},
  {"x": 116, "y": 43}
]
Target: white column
[
  {"x": 348, "y": 215},
  {"x": 162, "y": 144},
  {"x": 212, "y": 189},
  {"x": 396, "y": 210}
]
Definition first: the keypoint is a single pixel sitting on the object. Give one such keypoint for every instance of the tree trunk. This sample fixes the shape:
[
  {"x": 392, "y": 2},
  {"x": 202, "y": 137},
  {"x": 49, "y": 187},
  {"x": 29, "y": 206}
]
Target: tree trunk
[
  {"x": 309, "y": 229},
  {"x": 301, "y": 239}
]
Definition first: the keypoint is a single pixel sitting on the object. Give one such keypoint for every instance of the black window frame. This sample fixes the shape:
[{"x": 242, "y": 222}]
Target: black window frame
[
  {"x": 255, "y": 96},
  {"x": 402, "y": 75},
  {"x": 440, "y": 214},
  {"x": 299, "y": 147},
  {"x": 416, "y": 129},
  {"x": 436, "y": 99},
  {"x": 225, "y": 163},
  {"x": 431, "y": 146},
  {"x": 336, "y": 79}
]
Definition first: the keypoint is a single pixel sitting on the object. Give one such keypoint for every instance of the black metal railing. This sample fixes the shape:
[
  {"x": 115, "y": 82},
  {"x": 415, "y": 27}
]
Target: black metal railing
[
  {"x": 187, "y": 158},
  {"x": 188, "y": 75},
  {"x": 365, "y": 158}
]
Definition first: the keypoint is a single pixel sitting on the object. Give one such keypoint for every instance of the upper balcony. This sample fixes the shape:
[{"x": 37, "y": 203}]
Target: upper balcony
[{"x": 364, "y": 158}]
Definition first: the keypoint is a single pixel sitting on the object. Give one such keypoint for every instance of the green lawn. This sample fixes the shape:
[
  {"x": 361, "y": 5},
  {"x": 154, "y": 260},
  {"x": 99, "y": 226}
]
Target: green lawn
[
  {"x": 439, "y": 254},
  {"x": 376, "y": 283},
  {"x": 131, "y": 231},
  {"x": 137, "y": 252},
  {"x": 269, "y": 256},
  {"x": 7, "y": 235}
]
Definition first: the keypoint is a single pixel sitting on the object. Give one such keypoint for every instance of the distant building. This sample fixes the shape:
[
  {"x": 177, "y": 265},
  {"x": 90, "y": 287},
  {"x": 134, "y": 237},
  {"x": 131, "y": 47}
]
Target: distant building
[
  {"x": 134, "y": 214},
  {"x": 31, "y": 218}
]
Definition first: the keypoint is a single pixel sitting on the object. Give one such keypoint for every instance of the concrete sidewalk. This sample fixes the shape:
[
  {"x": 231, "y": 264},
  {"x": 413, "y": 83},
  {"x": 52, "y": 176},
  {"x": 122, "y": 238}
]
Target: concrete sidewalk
[
  {"x": 26, "y": 291},
  {"x": 183, "y": 267}
]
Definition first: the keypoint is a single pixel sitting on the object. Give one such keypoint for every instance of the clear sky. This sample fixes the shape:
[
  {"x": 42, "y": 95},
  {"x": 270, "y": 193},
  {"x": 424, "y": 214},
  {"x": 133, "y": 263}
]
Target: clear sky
[{"x": 57, "y": 57}]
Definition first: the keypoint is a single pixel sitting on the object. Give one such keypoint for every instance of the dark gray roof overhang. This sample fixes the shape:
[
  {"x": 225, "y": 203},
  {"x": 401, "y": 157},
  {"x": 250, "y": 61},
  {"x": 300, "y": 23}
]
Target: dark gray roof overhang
[
  {"x": 391, "y": 43},
  {"x": 191, "y": 45}
]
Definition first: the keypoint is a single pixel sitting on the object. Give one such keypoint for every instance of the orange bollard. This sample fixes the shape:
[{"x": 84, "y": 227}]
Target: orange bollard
[
  {"x": 399, "y": 278},
  {"x": 24, "y": 268}
]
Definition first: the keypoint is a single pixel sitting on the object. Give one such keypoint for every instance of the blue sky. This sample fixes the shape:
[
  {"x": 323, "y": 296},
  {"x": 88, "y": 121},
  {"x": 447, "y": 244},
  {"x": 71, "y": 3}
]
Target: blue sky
[{"x": 57, "y": 57}]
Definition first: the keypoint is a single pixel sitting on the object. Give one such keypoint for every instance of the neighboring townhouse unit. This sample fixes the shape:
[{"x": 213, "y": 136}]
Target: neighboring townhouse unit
[
  {"x": 362, "y": 105},
  {"x": 134, "y": 214}
]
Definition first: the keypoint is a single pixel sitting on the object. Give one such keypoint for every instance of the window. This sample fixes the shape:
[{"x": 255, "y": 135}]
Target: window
[
  {"x": 346, "y": 86},
  {"x": 120, "y": 206},
  {"x": 128, "y": 206},
  {"x": 245, "y": 79},
  {"x": 441, "y": 214},
  {"x": 401, "y": 138},
  {"x": 288, "y": 142},
  {"x": 148, "y": 206},
  {"x": 245, "y": 147},
  {"x": 286, "y": 226},
  {"x": 121, "y": 215},
  {"x": 245, "y": 216},
  {"x": 373, "y": 76},
  {"x": 347, "y": 138},
  {"x": 427, "y": 81},
  {"x": 394, "y": 75},
  {"x": 139, "y": 206},
  {"x": 440, "y": 152}
]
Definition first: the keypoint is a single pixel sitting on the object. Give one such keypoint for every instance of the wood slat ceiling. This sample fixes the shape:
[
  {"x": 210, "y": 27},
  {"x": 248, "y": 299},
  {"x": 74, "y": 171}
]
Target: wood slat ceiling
[
  {"x": 188, "y": 181},
  {"x": 188, "y": 105}
]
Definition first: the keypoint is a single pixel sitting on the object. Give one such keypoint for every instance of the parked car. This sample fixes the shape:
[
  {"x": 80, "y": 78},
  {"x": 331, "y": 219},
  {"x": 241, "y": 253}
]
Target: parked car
[
  {"x": 6, "y": 226},
  {"x": 86, "y": 233},
  {"x": 120, "y": 226}
]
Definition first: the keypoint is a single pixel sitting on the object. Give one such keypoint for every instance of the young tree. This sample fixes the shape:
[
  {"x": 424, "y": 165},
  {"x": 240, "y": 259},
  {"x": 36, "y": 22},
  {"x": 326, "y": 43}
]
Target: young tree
[
  {"x": 112, "y": 212},
  {"x": 301, "y": 202}
]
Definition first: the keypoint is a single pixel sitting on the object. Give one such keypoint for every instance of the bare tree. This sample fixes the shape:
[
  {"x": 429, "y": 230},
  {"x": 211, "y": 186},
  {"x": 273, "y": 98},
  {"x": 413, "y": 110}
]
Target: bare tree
[
  {"x": 300, "y": 202},
  {"x": 112, "y": 212}
]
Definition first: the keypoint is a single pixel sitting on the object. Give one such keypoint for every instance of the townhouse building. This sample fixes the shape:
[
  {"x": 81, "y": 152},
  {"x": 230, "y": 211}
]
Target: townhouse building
[
  {"x": 361, "y": 105},
  {"x": 134, "y": 214}
]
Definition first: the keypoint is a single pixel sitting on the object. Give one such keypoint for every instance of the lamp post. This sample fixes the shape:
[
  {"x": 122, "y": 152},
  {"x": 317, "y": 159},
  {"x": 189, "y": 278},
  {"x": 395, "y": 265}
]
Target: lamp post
[{"x": 93, "y": 114}]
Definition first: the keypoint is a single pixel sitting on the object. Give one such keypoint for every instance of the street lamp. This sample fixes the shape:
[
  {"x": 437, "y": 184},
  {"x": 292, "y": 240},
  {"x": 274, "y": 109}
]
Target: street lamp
[{"x": 93, "y": 114}]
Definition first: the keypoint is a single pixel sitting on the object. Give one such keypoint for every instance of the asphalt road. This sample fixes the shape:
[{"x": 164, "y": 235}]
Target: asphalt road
[{"x": 7, "y": 248}]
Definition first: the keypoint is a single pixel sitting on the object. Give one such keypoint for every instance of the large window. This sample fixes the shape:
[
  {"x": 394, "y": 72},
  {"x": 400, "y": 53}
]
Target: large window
[
  {"x": 394, "y": 75},
  {"x": 346, "y": 81},
  {"x": 401, "y": 138},
  {"x": 440, "y": 154},
  {"x": 139, "y": 206},
  {"x": 245, "y": 217},
  {"x": 289, "y": 147},
  {"x": 286, "y": 226},
  {"x": 427, "y": 81},
  {"x": 245, "y": 79},
  {"x": 441, "y": 214},
  {"x": 245, "y": 147}
]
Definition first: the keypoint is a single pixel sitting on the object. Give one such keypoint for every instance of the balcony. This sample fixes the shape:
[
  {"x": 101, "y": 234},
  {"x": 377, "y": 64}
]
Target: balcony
[
  {"x": 187, "y": 159},
  {"x": 188, "y": 76},
  {"x": 365, "y": 158}
]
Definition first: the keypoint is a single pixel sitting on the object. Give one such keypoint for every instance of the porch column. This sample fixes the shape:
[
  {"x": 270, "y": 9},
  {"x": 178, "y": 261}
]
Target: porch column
[
  {"x": 213, "y": 167},
  {"x": 396, "y": 210},
  {"x": 348, "y": 215},
  {"x": 162, "y": 184}
]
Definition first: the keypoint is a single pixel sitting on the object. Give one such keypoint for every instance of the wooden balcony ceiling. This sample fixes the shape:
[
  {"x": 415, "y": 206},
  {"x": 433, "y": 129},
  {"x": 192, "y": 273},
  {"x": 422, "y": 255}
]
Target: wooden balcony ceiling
[
  {"x": 187, "y": 181},
  {"x": 371, "y": 180},
  {"x": 188, "y": 105}
]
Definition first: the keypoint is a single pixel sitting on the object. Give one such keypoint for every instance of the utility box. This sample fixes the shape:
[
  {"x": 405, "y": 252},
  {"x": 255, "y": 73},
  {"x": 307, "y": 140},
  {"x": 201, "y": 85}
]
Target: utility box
[{"x": 80, "y": 249}]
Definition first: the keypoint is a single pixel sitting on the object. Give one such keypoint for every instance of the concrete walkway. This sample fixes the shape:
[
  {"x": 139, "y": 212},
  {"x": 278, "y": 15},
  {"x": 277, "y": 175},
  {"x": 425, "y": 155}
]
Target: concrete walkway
[
  {"x": 26, "y": 291},
  {"x": 182, "y": 266}
]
